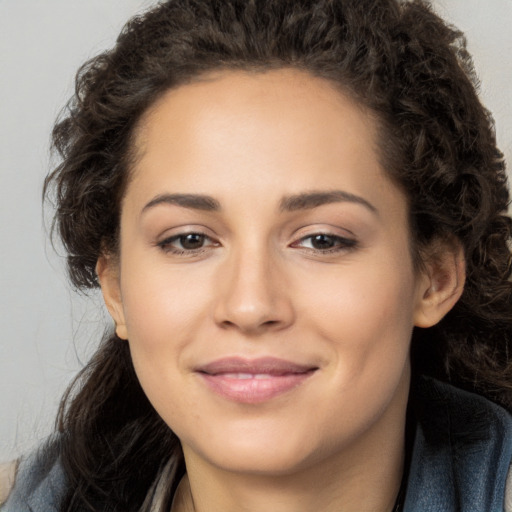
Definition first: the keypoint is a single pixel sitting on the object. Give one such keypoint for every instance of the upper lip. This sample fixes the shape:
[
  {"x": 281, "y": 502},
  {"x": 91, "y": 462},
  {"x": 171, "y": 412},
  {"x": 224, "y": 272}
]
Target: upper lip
[{"x": 262, "y": 365}]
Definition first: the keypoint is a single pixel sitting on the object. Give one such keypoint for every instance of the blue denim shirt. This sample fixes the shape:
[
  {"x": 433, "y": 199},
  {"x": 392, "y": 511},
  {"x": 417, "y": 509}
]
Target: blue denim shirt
[
  {"x": 460, "y": 458},
  {"x": 462, "y": 451}
]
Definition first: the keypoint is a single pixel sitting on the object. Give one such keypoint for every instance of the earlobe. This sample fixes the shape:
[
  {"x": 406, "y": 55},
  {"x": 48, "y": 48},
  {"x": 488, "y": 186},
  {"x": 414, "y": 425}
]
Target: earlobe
[
  {"x": 107, "y": 271},
  {"x": 441, "y": 285}
]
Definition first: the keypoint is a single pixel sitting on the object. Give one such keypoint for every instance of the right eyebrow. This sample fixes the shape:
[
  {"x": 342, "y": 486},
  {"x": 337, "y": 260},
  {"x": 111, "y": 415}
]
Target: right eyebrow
[{"x": 192, "y": 201}]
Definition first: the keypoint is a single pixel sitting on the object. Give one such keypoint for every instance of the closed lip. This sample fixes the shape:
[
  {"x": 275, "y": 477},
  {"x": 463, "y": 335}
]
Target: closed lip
[
  {"x": 253, "y": 381},
  {"x": 264, "y": 365}
]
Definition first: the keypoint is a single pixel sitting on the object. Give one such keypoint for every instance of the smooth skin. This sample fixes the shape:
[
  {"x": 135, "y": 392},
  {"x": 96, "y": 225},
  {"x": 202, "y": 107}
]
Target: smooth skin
[{"x": 260, "y": 222}]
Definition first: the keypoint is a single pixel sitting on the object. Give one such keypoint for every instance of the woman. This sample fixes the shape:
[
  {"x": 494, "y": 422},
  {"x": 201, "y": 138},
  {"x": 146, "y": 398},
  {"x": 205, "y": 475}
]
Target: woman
[{"x": 296, "y": 214}]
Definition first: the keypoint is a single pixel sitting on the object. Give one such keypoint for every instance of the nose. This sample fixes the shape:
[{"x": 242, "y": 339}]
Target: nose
[{"x": 253, "y": 296}]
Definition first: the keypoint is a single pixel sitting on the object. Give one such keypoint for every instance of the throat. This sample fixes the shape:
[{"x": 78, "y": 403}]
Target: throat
[{"x": 183, "y": 501}]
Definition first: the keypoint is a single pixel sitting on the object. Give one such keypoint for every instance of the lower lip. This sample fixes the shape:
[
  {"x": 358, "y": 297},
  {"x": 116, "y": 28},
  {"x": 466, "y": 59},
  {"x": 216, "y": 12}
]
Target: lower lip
[{"x": 254, "y": 390}]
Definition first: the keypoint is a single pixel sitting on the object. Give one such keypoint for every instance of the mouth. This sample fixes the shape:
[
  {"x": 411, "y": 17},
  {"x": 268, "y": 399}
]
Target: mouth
[{"x": 253, "y": 381}]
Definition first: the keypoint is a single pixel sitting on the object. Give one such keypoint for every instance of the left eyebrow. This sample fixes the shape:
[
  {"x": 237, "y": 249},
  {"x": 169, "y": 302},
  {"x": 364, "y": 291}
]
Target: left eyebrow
[
  {"x": 310, "y": 200},
  {"x": 192, "y": 201}
]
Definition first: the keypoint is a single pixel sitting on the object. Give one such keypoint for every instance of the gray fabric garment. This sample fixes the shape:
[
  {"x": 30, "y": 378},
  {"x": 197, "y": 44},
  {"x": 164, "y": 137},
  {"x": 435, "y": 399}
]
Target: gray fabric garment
[
  {"x": 508, "y": 492},
  {"x": 40, "y": 482}
]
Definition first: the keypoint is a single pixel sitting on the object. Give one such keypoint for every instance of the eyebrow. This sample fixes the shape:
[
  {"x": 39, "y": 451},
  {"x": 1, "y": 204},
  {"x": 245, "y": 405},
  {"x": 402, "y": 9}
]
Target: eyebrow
[
  {"x": 303, "y": 201},
  {"x": 192, "y": 201},
  {"x": 310, "y": 200}
]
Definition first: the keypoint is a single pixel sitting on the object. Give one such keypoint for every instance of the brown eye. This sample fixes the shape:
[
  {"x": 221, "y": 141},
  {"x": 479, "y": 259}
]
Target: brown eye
[
  {"x": 187, "y": 244},
  {"x": 322, "y": 242},
  {"x": 191, "y": 241}
]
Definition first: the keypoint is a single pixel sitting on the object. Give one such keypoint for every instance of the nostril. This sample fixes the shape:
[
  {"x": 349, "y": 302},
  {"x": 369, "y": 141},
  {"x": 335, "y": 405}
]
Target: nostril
[{"x": 254, "y": 327}]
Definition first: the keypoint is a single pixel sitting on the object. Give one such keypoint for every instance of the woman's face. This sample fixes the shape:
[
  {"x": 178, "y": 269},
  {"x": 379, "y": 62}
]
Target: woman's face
[{"x": 265, "y": 281}]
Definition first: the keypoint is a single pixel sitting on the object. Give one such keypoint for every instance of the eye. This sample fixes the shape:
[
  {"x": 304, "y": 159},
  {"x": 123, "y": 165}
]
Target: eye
[
  {"x": 191, "y": 241},
  {"x": 325, "y": 243},
  {"x": 186, "y": 243}
]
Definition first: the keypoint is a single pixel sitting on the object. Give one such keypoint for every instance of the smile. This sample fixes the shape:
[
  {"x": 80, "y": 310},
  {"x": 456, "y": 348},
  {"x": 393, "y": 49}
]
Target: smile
[{"x": 253, "y": 381}]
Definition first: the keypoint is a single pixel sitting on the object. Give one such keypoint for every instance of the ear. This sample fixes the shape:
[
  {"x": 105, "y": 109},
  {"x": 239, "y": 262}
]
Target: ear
[
  {"x": 441, "y": 283},
  {"x": 107, "y": 270}
]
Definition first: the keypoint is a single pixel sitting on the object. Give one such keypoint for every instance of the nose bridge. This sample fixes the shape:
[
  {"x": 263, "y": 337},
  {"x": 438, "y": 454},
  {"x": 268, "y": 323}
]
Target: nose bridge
[{"x": 252, "y": 292}]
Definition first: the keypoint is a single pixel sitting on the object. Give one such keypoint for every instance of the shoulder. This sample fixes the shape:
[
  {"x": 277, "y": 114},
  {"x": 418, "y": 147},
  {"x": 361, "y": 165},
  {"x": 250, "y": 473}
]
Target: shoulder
[
  {"x": 462, "y": 450},
  {"x": 39, "y": 484},
  {"x": 468, "y": 418},
  {"x": 7, "y": 476}
]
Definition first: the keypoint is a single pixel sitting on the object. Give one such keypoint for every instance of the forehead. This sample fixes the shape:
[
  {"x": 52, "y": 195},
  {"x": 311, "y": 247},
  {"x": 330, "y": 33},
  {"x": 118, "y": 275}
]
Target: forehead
[
  {"x": 282, "y": 131},
  {"x": 266, "y": 101}
]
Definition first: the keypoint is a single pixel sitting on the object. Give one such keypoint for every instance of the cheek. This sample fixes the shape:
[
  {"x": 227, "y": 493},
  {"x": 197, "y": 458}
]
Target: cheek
[
  {"x": 165, "y": 310},
  {"x": 163, "y": 303},
  {"x": 363, "y": 319},
  {"x": 365, "y": 313}
]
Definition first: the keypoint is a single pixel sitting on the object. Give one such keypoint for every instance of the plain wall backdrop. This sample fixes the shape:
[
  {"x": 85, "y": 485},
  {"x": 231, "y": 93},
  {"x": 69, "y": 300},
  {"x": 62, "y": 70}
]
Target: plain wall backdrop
[{"x": 46, "y": 331}]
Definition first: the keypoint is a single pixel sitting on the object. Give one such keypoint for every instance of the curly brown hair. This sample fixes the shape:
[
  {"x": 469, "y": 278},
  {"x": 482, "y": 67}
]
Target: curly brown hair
[{"x": 398, "y": 59}]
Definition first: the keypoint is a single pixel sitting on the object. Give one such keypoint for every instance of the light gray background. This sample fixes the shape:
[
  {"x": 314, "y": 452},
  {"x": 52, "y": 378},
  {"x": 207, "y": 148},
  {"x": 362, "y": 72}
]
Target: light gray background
[{"x": 46, "y": 331}]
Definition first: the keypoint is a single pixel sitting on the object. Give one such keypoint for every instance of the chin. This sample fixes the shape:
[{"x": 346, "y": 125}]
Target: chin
[
  {"x": 261, "y": 452},
  {"x": 261, "y": 462}
]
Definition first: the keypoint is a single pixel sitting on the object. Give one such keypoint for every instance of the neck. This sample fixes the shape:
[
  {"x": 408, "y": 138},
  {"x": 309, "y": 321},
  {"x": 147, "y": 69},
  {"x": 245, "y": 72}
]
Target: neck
[
  {"x": 371, "y": 484},
  {"x": 348, "y": 495}
]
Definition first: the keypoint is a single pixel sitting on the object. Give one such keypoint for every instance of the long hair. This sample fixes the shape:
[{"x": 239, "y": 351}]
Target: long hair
[{"x": 436, "y": 142}]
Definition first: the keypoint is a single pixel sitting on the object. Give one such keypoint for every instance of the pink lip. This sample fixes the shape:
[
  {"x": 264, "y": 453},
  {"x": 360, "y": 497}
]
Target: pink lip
[{"x": 253, "y": 381}]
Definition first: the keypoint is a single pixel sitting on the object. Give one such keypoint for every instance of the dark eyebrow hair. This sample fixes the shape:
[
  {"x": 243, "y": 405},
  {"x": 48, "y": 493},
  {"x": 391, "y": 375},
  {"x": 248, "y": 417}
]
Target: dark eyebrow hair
[
  {"x": 308, "y": 200},
  {"x": 193, "y": 201},
  {"x": 303, "y": 201}
]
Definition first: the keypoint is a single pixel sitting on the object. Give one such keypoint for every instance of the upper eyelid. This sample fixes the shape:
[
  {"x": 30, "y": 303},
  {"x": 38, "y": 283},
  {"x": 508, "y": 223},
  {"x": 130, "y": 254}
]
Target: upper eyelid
[
  {"x": 166, "y": 245},
  {"x": 327, "y": 232},
  {"x": 171, "y": 238},
  {"x": 319, "y": 228},
  {"x": 185, "y": 230},
  {"x": 352, "y": 240}
]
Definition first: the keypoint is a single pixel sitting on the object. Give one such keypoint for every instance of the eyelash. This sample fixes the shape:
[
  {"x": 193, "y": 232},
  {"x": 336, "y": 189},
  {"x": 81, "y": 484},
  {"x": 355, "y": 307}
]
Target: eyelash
[{"x": 340, "y": 244}]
